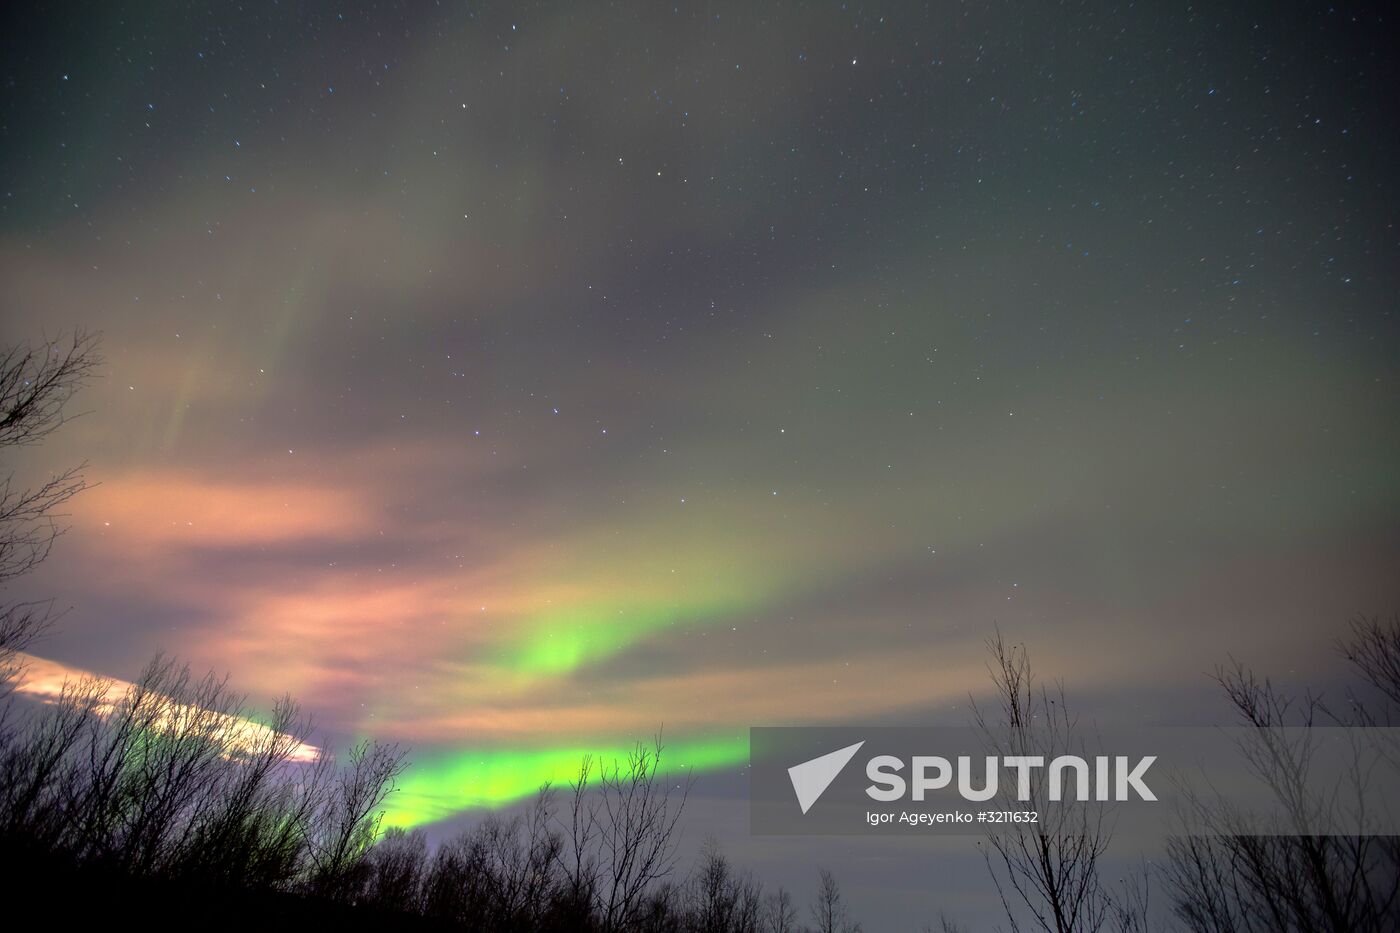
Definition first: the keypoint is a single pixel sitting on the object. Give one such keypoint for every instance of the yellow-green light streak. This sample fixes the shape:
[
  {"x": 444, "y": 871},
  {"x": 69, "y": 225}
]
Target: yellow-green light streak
[
  {"x": 562, "y": 641},
  {"x": 440, "y": 787}
]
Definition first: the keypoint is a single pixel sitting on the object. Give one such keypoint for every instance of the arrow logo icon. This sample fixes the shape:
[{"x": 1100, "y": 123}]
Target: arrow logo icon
[{"x": 811, "y": 778}]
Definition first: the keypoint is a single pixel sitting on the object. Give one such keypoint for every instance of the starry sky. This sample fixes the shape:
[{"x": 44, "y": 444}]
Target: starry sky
[{"x": 509, "y": 380}]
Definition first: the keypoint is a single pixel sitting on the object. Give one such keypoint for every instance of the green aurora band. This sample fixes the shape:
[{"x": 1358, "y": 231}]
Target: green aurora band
[
  {"x": 566, "y": 640},
  {"x": 443, "y": 786},
  {"x": 557, "y": 643}
]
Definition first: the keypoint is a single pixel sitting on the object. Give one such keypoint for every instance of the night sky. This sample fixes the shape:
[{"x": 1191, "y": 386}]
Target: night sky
[{"x": 511, "y": 380}]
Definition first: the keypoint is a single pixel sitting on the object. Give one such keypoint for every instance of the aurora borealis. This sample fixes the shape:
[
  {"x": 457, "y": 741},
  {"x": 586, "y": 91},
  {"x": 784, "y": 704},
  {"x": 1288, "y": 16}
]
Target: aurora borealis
[{"x": 515, "y": 381}]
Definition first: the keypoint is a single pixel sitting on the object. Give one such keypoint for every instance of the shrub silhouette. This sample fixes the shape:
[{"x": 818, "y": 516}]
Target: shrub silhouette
[{"x": 167, "y": 780}]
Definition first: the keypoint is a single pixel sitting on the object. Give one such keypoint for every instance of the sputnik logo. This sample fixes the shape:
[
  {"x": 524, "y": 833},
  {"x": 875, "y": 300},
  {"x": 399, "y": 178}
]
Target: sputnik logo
[{"x": 811, "y": 778}]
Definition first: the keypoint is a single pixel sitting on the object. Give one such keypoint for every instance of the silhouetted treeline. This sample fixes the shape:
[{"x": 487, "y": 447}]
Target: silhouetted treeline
[
  {"x": 546, "y": 869},
  {"x": 170, "y": 779},
  {"x": 170, "y": 788},
  {"x": 170, "y": 791}
]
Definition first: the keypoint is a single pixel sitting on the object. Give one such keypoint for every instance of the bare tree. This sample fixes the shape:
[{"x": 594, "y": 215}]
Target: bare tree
[
  {"x": 36, "y": 384},
  {"x": 454, "y": 889},
  {"x": 829, "y": 913},
  {"x": 601, "y": 867},
  {"x": 780, "y": 915},
  {"x": 348, "y": 821},
  {"x": 250, "y": 827},
  {"x": 662, "y": 911},
  {"x": 1373, "y": 648},
  {"x": 1049, "y": 870},
  {"x": 517, "y": 862},
  {"x": 1227, "y": 873},
  {"x": 623, "y": 834},
  {"x": 398, "y": 865},
  {"x": 37, "y": 761},
  {"x": 578, "y": 860},
  {"x": 720, "y": 899}
]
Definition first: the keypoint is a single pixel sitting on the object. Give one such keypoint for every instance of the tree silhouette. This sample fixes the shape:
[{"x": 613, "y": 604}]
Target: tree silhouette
[
  {"x": 829, "y": 913},
  {"x": 1050, "y": 871},
  {"x": 1227, "y": 877},
  {"x": 37, "y": 382}
]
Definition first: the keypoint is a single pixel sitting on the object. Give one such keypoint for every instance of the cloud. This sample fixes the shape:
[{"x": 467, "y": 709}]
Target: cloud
[
  {"x": 51, "y": 682},
  {"x": 163, "y": 510}
]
